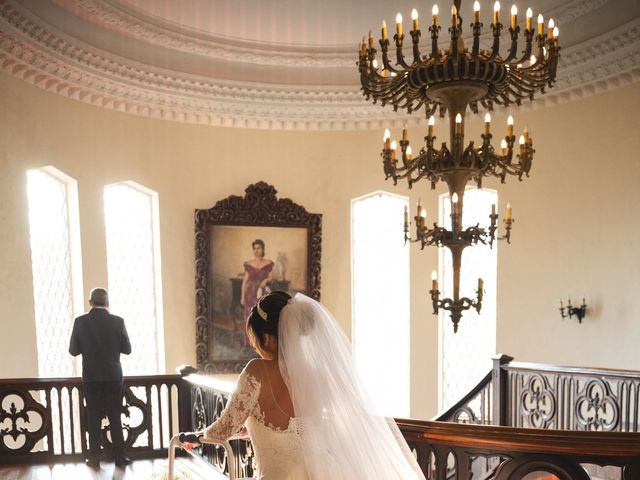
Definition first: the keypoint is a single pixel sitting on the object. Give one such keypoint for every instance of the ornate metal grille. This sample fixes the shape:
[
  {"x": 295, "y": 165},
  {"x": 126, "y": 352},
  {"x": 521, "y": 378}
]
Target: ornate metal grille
[
  {"x": 132, "y": 265},
  {"x": 465, "y": 355}
]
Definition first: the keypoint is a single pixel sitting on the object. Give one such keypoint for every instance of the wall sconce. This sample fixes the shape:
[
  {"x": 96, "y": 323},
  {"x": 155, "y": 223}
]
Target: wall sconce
[{"x": 579, "y": 312}]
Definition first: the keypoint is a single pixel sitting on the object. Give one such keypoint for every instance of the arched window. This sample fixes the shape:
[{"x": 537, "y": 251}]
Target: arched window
[
  {"x": 465, "y": 356},
  {"x": 56, "y": 266},
  {"x": 380, "y": 292},
  {"x": 133, "y": 266}
]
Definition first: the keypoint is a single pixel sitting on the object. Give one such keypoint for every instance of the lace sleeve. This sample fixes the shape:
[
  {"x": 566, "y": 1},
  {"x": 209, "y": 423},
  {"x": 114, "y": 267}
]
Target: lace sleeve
[{"x": 240, "y": 406}]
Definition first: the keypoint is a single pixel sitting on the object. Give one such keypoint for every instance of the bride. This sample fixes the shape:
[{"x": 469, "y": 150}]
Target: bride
[{"x": 308, "y": 416}]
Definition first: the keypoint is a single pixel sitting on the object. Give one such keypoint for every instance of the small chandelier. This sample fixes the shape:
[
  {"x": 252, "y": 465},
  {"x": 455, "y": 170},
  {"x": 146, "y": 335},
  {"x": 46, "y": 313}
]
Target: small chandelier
[{"x": 449, "y": 81}]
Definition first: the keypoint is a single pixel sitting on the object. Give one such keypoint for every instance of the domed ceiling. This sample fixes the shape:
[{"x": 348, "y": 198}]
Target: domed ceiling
[{"x": 281, "y": 64}]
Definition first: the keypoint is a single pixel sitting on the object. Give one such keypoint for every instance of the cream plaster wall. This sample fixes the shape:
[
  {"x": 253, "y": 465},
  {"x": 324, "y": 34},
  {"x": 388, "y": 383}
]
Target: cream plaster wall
[{"x": 576, "y": 231}]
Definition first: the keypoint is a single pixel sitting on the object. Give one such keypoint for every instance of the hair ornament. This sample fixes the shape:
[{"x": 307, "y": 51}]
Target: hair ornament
[{"x": 261, "y": 312}]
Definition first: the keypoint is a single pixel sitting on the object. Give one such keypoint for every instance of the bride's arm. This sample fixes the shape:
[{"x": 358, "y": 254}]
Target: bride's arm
[{"x": 240, "y": 406}]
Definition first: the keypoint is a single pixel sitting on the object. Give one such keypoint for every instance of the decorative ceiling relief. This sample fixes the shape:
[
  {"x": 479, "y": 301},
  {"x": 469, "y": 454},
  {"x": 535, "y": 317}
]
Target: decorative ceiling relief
[{"x": 202, "y": 77}]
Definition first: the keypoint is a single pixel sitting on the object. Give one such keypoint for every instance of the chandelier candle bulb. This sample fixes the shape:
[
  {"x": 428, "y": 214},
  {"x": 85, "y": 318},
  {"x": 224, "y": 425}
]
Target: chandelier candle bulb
[
  {"x": 423, "y": 217},
  {"x": 419, "y": 207},
  {"x": 508, "y": 215},
  {"x": 487, "y": 122},
  {"x": 510, "y": 126},
  {"x": 476, "y": 11},
  {"x": 556, "y": 32},
  {"x": 529, "y": 19},
  {"x": 521, "y": 142},
  {"x": 399, "y": 24},
  {"x": 434, "y": 16},
  {"x": 503, "y": 145},
  {"x": 514, "y": 16},
  {"x": 550, "y": 28},
  {"x": 406, "y": 216},
  {"x": 384, "y": 30},
  {"x": 454, "y": 16},
  {"x": 432, "y": 122},
  {"x": 458, "y": 123},
  {"x": 414, "y": 17},
  {"x": 526, "y": 135},
  {"x": 496, "y": 13},
  {"x": 387, "y": 139},
  {"x": 540, "y": 24},
  {"x": 434, "y": 280},
  {"x": 480, "y": 284},
  {"x": 404, "y": 133},
  {"x": 409, "y": 153},
  {"x": 371, "y": 40},
  {"x": 394, "y": 146},
  {"x": 493, "y": 209}
]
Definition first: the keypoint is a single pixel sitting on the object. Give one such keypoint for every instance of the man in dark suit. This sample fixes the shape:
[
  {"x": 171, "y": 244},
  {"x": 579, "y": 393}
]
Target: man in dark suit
[{"x": 101, "y": 337}]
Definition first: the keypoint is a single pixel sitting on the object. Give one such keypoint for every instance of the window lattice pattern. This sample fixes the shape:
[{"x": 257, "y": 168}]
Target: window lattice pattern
[
  {"x": 51, "y": 266},
  {"x": 466, "y": 355},
  {"x": 381, "y": 299},
  {"x": 131, "y": 269}
]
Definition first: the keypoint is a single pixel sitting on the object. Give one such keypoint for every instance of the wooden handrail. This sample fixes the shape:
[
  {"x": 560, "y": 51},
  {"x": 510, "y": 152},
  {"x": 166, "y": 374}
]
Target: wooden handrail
[
  {"x": 78, "y": 380},
  {"x": 465, "y": 400},
  {"x": 510, "y": 439},
  {"x": 585, "y": 371}
]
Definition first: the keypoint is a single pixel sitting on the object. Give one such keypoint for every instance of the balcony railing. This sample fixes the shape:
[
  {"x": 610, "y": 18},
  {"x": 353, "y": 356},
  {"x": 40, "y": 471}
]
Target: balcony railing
[
  {"x": 521, "y": 418},
  {"x": 41, "y": 420}
]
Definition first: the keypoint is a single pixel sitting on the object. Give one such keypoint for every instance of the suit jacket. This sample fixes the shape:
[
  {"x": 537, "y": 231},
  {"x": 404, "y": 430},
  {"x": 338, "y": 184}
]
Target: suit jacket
[{"x": 100, "y": 337}]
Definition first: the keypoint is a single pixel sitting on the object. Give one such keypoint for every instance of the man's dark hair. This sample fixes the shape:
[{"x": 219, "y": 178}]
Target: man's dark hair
[{"x": 99, "y": 297}]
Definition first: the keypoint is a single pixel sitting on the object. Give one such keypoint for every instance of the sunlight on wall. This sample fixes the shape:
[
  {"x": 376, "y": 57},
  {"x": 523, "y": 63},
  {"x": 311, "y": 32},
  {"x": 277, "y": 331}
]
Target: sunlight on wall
[{"x": 380, "y": 311}]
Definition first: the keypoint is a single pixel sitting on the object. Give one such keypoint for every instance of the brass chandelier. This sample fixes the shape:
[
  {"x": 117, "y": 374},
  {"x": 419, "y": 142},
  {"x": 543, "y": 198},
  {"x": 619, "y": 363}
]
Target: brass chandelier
[{"x": 450, "y": 81}]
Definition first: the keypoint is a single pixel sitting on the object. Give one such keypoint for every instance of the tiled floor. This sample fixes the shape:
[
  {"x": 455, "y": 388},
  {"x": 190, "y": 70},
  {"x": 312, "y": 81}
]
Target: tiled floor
[{"x": 186, "y": 469}]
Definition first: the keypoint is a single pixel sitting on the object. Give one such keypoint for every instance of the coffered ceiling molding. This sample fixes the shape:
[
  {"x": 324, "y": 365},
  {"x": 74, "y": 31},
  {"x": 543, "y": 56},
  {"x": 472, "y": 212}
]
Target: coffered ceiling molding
[{"x": 32, "y": 49}]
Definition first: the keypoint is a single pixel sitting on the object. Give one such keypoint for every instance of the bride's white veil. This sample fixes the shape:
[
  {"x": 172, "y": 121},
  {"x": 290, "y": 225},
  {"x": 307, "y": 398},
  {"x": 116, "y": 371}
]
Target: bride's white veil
[{"x": 343, "y": 437}]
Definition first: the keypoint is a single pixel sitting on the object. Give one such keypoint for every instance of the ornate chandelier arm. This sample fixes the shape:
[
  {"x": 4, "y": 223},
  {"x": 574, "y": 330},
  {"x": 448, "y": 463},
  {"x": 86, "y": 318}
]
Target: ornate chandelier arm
[
  {"x": 455, "y": 32},
  {"x": 528, "y": 35},
  {"x": 541, "y": 40},
  {"x": 415, "y": 38},
  {"x": 384, "y": 47},
  {"x": 513, "y": 51},
  {"x": 495, "y": 49},
  {"x": 456, "y": 307},
  {"x": 430, "y": 163},
  {"x": 399, "y": 38},
  {"x": 435, "y": 51},
  {"x": 477, "y": 29},
  {"x": 433, "y": 236},
  {"x": 476, "y": 234}
]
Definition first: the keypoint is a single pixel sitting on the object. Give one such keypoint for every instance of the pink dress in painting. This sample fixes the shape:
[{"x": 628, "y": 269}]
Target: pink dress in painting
[{"x": 255, "y": 278}]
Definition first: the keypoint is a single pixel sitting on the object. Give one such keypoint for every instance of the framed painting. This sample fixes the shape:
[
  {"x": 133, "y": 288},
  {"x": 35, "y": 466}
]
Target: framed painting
[{"x": 245, "y": 247}]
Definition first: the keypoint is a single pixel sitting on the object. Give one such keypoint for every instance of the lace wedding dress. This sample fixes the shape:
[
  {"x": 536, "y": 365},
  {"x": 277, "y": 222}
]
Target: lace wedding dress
[
  {"x": 337, "y": 433},
  {"x": 278, "y": 451}
]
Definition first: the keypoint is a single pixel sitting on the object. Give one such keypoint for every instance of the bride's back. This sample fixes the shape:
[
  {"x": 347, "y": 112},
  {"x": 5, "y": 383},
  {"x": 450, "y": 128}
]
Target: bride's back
[{"x": 274, "y": 400}]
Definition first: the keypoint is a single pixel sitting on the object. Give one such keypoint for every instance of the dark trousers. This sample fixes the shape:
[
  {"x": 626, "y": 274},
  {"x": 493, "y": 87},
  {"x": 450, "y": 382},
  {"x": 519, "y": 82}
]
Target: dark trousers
[{"x": 104, "y": 398}]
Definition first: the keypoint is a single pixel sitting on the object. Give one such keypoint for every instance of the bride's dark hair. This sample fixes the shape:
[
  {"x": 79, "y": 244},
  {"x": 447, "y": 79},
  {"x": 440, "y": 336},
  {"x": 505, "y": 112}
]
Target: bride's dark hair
[{"x": 265, "y": 316}]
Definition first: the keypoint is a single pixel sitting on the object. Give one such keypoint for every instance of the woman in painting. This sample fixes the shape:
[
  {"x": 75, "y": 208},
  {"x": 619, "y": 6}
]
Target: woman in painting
[
  {"x": 257, "y": 275},
  {"x": 307, "y": 413}
]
